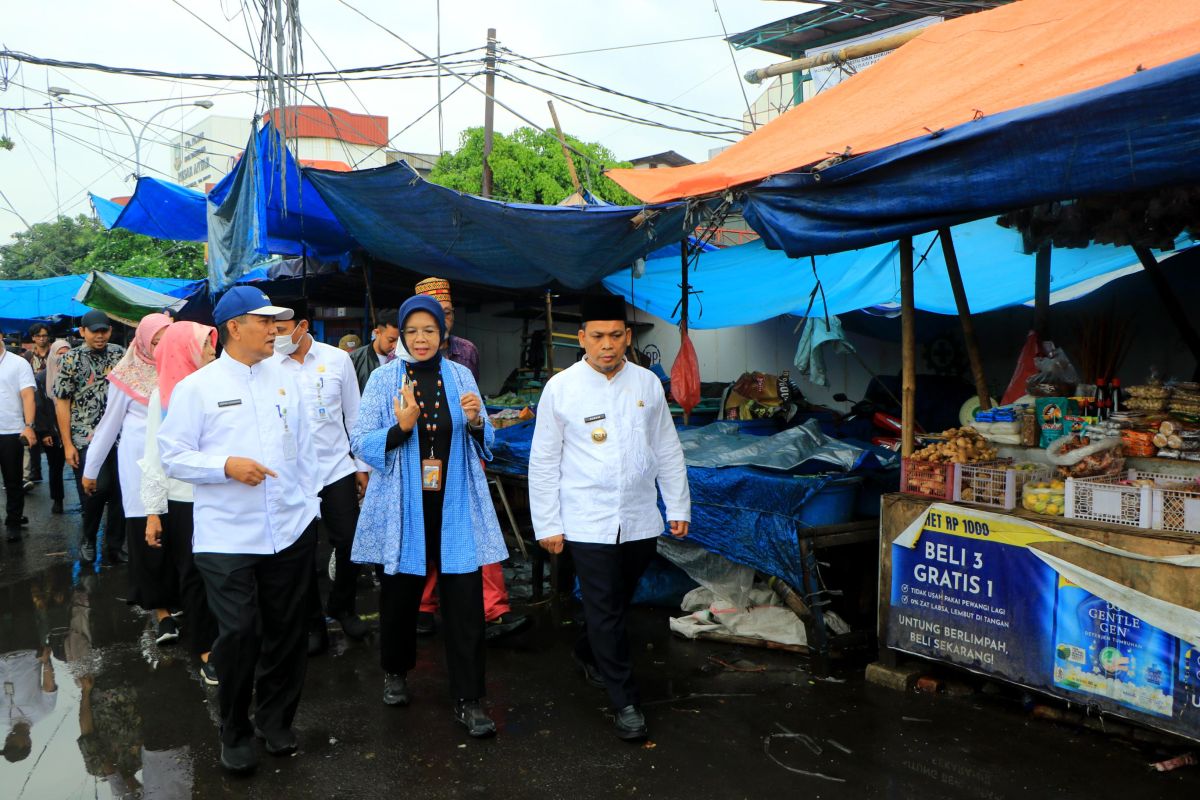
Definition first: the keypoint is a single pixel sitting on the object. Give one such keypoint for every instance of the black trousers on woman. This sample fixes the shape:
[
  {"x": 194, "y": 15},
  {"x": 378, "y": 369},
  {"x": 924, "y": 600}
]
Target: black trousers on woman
[
  {"x": 56, "y": 459},
  {"x": 463, "y": 627},
  {"x": 152, "y": 580},
  {"x": 199, "y": 625}
]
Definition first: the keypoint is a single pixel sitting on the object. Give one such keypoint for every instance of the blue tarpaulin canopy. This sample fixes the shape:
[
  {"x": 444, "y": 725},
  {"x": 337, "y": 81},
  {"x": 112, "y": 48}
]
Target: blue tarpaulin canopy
[
  {"x": 749, "y": 283},
  {"x": 23, "y": 302},
  {"x": 1138, "y": 133},
  {"x": 400, "y": 218},
  {"x": 159, "y": 209}
]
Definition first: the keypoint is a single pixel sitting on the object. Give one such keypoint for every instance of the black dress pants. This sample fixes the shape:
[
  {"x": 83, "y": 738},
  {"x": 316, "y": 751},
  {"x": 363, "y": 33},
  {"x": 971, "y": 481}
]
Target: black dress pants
[
  {"x": 339, "y": 516},
  {"x": 108, "y": 493},
  {"x": 56, "y": 459},
  {"x": 199, "y": 626},
  {"x": 12, "y": 468},
  {"x": 260, "y": 652},
  {"x": 608, "y": 577},
  {"x": 461, "y": 597}
]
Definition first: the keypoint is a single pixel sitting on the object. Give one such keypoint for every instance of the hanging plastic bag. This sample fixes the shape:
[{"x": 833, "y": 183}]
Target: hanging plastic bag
[
  {"x": 1025, "y": 368},
  {"x": 685, "y": 376},
  {"x": 1056, "y": 376}
]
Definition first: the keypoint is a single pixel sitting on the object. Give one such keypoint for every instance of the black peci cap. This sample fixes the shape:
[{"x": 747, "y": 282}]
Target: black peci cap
[{"x": 602, "y": 308}]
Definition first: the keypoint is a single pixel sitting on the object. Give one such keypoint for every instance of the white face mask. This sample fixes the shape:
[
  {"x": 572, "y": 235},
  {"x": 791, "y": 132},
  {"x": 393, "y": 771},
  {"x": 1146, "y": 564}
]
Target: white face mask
[
  {"x": 401, "y": 353},
  {"x": 285, "y": 346}
]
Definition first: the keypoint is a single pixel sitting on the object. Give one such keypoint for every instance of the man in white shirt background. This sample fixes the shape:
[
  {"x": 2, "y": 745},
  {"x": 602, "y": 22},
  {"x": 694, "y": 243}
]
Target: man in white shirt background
[
  {"x": 602, "y": 440},
  {"x": 16, "y": 433},
  {"x": 330, "y": 391},
  {"x": 239, "y": 430}
]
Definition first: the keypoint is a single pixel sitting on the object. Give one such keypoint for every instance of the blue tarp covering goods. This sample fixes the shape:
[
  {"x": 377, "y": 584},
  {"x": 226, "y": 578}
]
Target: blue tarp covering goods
[
  {"x": 23, "y": 302},
  {"x": 401, "y": 218}
]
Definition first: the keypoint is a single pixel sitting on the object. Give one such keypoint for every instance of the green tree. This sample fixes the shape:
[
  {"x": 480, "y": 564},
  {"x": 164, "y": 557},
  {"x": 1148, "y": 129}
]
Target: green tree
[
  {"x": 72, "y": 245},
  {"x": 528, "y": 167}
]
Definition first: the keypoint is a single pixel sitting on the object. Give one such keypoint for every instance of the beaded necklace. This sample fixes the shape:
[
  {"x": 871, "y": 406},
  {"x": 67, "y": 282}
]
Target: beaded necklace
[{"x": 430, "y": 426}]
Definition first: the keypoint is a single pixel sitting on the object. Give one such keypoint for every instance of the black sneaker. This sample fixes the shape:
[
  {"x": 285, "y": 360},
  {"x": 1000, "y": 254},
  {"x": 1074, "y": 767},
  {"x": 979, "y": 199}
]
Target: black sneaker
[
  {"x": 27, "y": 486},
  {"x": 506, "y": 625},
  {"x": 168, "y": 631},
  {"x": 87, "y": 553},
  {"x": 471, "y": 715},
  {"x": 239, "y": 758},
  {"x": 208, "y": 674},
  {"x": 631, "y": 725},
  {"x": 395, "y": 690},
  {"x": 278, "y": 744},
  {"x": 426, "y": 623}
]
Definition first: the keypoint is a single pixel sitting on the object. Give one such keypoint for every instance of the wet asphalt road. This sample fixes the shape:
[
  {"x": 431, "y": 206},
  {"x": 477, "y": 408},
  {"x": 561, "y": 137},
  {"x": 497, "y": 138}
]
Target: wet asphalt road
[{"x": 132, "y": 719}]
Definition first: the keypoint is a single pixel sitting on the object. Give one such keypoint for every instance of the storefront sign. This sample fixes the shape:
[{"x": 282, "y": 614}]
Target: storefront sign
[{"x": 974, "y": 589}]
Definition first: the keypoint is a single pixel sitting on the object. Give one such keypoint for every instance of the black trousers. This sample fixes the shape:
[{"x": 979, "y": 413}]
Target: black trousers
[
  {"x": 152, "y": 579},
  {"x": 462, "y": 627},
  {"x": 260, "y": 652},
  {"x": 199, "y": 625},
  {"x": 339, "y": 516},
  {"x": 12, "y": 468},
  {"x": 56, "y": 459},
  {"x": 108, "y": 493},
  {"x": 608, "y": 576}
]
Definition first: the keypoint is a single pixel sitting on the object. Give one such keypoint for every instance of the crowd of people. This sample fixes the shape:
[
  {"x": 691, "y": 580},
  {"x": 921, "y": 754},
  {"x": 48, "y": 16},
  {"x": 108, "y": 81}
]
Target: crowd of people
[{"x": 210, "y": 457}]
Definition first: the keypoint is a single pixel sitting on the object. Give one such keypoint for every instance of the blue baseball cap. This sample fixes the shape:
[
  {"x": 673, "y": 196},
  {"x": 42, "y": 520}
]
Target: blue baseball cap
[{"x": 245, "y": 300}]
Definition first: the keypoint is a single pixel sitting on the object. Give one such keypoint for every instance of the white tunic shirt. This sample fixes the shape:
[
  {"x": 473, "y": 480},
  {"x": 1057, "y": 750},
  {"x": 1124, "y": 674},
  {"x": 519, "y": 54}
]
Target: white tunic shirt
[
  {"x": 124, "y": 419},
  {"x": 15, "y": 376},
  {"x": 599, "y": 447},
  {"x": 157, "y": 488},
  {"x": 228, "y": 409},
  {"x": 329, "y": 387}
]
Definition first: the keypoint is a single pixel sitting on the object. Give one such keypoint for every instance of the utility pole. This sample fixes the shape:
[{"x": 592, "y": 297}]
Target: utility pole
[{"x": 489, "y": 111}]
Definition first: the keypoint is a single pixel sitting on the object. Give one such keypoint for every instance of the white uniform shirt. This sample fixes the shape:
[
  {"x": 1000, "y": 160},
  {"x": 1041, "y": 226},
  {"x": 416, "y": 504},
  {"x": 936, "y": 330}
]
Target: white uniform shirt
[
  {"x": 15, "y": 375},
  {"x": 123, "y": 424},
  {"x": 229, "y": 409},
  {"x": 604, "y": 491},
  {"x": 329, "y": 387}
]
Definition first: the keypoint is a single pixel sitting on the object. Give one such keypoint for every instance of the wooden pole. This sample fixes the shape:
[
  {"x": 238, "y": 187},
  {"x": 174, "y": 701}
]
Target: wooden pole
[
  {"x": 549, "y": 335},
  {"x": 489, "y": 110},
  {"x": 566, "y": 152},
  {"x": 1041, "y": 294},
  {"x": 1170, "y": 301},
  {"x": 908, "y": 350},
  {"x": 832, "y": 57},
  {"x": 964, "y": 314},
  {"x": 683, "y": 303}
]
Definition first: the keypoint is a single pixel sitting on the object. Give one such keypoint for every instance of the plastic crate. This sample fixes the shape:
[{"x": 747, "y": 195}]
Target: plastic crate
[
  {"x": 927, "y": 479},
  {"x": 1175, "y": 509},
  {"x": 1104, "y": 499},
  {"x": 995, "y": 483}
]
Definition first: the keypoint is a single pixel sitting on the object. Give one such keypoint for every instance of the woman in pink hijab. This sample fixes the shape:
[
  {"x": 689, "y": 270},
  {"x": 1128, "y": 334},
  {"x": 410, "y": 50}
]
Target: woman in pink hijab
[
  {"x": 130, "y": 383},
  {"x": 184, "y": 348}
]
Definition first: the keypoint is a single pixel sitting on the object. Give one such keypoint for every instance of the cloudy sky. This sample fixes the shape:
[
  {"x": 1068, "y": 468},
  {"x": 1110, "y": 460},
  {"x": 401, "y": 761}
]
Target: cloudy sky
[{"x": 89, "y": 150}]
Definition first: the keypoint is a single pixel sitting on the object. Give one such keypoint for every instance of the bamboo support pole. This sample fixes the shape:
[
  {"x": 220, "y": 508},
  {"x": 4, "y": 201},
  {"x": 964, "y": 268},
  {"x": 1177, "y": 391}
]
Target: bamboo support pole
[
  {"x": 908, "y": 350},
  {"x": 950, "y": 256},
  {"x": 832, "y": 57},
  {"x": 562, "y": 140}
]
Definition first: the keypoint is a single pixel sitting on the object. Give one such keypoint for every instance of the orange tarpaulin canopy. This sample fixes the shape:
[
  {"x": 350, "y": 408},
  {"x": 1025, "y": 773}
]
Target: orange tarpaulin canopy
[{"x": 979, "y": 64}]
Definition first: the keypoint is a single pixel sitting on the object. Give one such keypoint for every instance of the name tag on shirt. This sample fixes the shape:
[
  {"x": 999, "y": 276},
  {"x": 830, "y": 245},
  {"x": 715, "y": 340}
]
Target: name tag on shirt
[
  {"x": 228, "y": 403},
  {"x": 596, "y": 418},
  {"x": 320, "y": 414}
]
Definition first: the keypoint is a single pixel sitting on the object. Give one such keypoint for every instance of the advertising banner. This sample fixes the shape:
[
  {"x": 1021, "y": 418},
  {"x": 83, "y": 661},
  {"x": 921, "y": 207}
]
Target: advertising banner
[{"x": 986, "y": 591}]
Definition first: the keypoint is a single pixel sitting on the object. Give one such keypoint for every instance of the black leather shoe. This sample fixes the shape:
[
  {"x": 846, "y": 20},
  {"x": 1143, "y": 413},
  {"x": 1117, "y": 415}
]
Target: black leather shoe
[
  {"x": 56, "y": 507},
  {"x": 241, "y": 758},
  {"x": 472, "y": 716},
  {"x": 282, "y": 743},
  {"x": 395, "y": 690},
  {"x": 426, "y": 623},
  {"x": 352, "y": 626},
  {"x": 318, "y": 639},
  {"x": 506, "y": 625},
  {"x": 631, "y": 725},
  {"x": 87, "y": 552},
  {"x": 591, "y": 672}
]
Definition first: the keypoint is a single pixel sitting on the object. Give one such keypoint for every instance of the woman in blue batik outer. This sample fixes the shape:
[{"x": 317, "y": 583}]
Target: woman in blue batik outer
[{"x": 431, "y": 427}]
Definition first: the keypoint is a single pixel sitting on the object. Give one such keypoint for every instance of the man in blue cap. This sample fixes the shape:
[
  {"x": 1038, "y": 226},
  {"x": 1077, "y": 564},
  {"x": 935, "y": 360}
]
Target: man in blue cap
[{"x": 238, "y": 429}]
